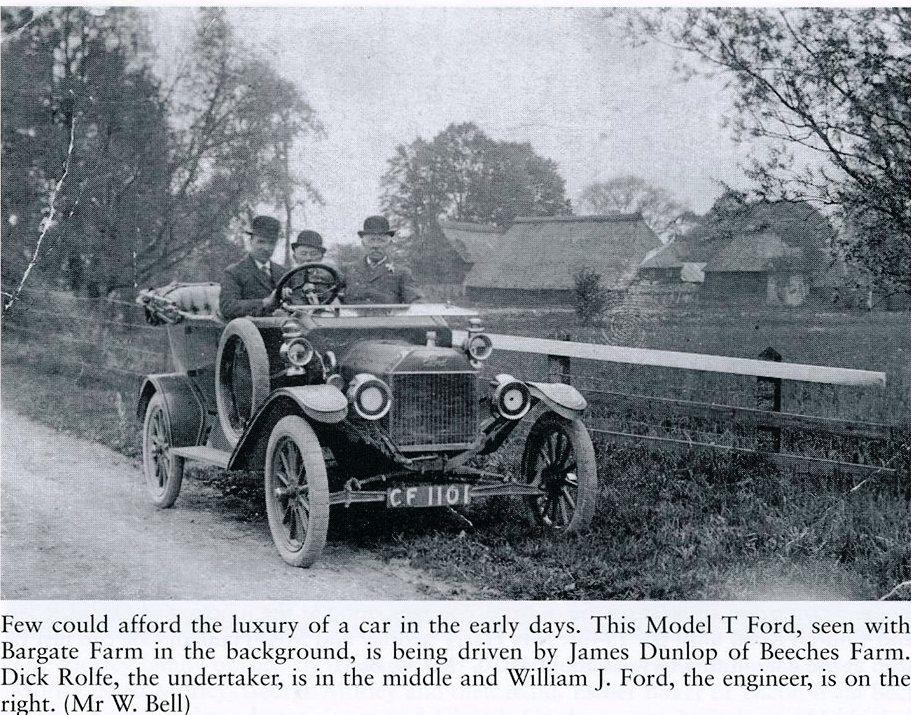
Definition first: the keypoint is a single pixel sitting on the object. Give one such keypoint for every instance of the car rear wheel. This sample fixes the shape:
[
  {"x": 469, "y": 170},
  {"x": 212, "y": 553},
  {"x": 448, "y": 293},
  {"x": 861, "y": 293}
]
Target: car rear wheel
[
  {"x": 241, "y": 376},
  {"x": 560, "y": 459},
  {"x": 297, "y": 491},
  {"x": 162, "y": 469}
]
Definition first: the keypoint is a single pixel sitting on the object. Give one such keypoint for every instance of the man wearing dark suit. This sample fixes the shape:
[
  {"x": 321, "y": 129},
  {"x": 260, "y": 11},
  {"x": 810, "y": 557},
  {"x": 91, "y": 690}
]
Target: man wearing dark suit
[
  {"x": 248, "y": 287},
  {"x": 375, "y": 279}
]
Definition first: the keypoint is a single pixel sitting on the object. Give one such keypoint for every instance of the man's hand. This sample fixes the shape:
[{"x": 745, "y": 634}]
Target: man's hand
[{"x": 269, "y": 300}]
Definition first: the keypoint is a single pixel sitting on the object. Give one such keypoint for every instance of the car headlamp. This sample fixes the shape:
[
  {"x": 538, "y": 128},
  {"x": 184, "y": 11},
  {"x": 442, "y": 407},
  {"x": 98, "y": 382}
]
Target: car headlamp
[
  {"x": 370, "y": 397},
  {"x": 511, "y": 398},
  {"x": 298, "y": 352},
  {"x": 479, "y": 346}
]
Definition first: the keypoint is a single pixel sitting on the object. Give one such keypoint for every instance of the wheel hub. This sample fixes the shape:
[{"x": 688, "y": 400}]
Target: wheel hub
[{"x": 290, "y": 492}]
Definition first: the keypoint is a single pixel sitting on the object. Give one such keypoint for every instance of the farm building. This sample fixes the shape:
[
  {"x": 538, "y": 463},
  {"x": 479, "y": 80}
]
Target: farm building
[
  {"x": 744, "y": 253},
  {"x": 758, "y": 266},
  {"x": 683, "y": 260},
  {"x": 472, "y": 243},
  {"x": 537, "y": 258},
  {"x": 754, "y": 267}
]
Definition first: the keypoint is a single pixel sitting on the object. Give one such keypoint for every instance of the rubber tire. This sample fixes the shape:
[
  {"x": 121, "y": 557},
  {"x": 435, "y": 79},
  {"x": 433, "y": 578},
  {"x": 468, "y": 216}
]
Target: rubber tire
[
  {"x": 587, "y": 487},
  {"x": 162, "y": 497},
  {"x": 297, "y": 429},
  {"x": 249, "y": 335}
]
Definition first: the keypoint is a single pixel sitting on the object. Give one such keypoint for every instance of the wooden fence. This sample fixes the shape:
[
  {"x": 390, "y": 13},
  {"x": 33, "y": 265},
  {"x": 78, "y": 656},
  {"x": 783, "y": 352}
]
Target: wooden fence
[{"x": 769, "y": 415}]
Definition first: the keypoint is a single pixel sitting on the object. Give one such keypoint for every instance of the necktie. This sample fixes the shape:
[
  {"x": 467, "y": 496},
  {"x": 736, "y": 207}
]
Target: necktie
[{"x": 266, "y": 272}]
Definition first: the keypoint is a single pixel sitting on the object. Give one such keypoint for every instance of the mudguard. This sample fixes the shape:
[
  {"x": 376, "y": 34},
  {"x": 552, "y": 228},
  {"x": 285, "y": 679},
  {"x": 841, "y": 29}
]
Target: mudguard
[
  {"x": 320, "y": 403},
  {"x": 323, "y": 403},
  {"x": 186, "y": 412},
  {"x": 565, "y": 400}
]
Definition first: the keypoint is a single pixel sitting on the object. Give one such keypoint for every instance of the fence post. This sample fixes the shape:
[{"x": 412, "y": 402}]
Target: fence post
[
  {"x": 559, "y": 368},
  {"x": 764, "y": 398}
]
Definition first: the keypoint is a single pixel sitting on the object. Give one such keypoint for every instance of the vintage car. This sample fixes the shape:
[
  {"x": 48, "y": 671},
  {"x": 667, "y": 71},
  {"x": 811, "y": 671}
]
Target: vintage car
[{"x": 388, "y": 396}]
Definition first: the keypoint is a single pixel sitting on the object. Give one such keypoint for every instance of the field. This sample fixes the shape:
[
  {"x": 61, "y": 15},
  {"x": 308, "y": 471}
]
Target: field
[{"x": 668, "y": 526}]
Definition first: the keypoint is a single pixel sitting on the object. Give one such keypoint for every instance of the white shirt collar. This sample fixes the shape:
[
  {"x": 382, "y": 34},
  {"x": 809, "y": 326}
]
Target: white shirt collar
[
  {"x": 374, "y": 264},
  {"x": 263, "y": 265}
]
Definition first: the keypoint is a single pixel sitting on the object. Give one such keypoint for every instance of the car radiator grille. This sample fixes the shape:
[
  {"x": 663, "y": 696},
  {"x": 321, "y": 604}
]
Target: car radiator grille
[{"x": 433, "y": 408}]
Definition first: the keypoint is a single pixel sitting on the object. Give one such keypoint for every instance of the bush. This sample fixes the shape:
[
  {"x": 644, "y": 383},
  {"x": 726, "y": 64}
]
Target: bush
[{"x": 589, "y": 296}]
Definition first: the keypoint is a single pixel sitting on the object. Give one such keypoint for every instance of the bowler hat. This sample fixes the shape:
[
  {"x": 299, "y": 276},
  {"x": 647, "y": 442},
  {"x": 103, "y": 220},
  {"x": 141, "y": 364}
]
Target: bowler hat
[
  {"x": 265, "y": 226},
  {"x": 376, "y": 226},
  {"x": 309, "y": 238}
]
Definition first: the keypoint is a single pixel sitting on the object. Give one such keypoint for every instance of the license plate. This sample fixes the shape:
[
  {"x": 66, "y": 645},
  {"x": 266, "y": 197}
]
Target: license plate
[{"x": 423, "y": 495}]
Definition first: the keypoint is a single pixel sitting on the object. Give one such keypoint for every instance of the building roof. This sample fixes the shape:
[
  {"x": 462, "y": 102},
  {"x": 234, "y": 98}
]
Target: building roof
[
  {"x": 543, "y": 253},
  {"x": 670, "y": 255},
  {"x": 755, "y": 252},
  {"x": 684, "y": 250},
  {"x": 751, "y": 252},
  {"x": 472, "y": 241}
]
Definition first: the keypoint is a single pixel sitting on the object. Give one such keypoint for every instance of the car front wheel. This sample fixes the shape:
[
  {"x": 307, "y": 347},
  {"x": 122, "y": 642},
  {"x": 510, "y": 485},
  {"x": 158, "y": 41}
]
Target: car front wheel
[
  {"x": 559, "y": 459},
  {"x": 297, "y": 491},
  {"x": 162, "y": 469}
]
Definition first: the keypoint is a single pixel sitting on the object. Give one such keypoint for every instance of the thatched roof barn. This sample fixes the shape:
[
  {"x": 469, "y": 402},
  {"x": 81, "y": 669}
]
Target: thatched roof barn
[
  {"x": 536, "y": 258},
  {"x": 763, "y": 252},
  {"x": 759, "y": 265},
  {"x": 473, "y": 242}
]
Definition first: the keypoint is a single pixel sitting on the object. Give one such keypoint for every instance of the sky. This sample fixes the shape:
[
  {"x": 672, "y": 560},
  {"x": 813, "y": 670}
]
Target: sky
[{"x": 560, "y": 79}]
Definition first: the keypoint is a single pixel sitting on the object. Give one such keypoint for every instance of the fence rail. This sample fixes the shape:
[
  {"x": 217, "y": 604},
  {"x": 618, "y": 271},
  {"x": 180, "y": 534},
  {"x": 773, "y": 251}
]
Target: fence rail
[
  {"x": 769, "y": 373},
  {"x": 686, "y": 361},
  {"x": 752, "y": 417}
]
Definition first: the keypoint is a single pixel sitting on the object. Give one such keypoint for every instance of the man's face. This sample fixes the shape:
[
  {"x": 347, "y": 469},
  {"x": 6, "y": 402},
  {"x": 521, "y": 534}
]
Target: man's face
[
  {"x": 376, "y": 244},
  {"x": 308, "y": 254},
  {"x": 260, "y": 248}
]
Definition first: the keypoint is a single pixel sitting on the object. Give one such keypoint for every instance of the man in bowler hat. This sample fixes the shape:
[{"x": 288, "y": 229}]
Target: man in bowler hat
[
  {"x": 248, "y": 287},
  {"x": 308, "y": 248},
  {"x": 375, "y": 279}
]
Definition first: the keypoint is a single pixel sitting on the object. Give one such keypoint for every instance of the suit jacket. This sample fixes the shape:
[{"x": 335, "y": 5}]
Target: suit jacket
[
  {"x": 244, "y": 287},
  {"x": 384, "y": 283}
]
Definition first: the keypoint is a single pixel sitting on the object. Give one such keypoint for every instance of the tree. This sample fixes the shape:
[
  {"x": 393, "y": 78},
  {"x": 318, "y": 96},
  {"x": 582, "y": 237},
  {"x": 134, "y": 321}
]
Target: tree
[
  {"x": 464, "y": 175},
  {"x": 75, "y": 73},
  {"x": 283, "y": 185},
  {"x": 158, "y": 177},
  {"x": 826, "y": 91},
  {"x": 589, "y": 296},
  {"x": 235, "y": 121},
  {"x": 630, "y": 194}
]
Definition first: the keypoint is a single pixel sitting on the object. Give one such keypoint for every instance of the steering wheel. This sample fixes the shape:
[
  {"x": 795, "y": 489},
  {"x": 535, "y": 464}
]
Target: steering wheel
[{"x": 308, "y": 289}]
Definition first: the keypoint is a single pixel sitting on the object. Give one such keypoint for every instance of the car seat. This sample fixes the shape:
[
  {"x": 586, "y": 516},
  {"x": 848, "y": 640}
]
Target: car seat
[{"x": 178, "y": 301}]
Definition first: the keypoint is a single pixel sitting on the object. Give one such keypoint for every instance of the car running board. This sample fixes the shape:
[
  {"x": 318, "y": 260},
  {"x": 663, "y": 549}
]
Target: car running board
[{"x": 209, "y": 455}]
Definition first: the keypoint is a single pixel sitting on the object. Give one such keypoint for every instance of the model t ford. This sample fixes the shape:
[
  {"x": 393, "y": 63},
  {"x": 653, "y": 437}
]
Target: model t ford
[{"x": 389, "y": 397}]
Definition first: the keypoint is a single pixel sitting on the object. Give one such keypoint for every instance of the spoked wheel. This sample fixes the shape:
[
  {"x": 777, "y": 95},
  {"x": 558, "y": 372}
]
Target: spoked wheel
[
  {"x": 297, "y": 491},
  {"x": 559, "y": 458},
  {"x": 163, "y": 470}
]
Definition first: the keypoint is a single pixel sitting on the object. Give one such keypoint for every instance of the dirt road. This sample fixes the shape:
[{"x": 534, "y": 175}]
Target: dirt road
[{"x": 76, "y": 525}]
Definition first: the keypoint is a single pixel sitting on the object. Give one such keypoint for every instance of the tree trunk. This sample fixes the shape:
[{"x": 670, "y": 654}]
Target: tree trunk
[{"x": 289, "y": 209}]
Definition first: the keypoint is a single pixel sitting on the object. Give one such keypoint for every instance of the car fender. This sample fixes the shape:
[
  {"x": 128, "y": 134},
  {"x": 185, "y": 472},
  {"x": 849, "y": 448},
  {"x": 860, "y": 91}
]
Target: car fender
[
  {"x": 186, "y": 412},
  {"x": 563, "y": 399},
  {"x": 319, "y": 403},
  {"x": 323, "y": 403}
]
